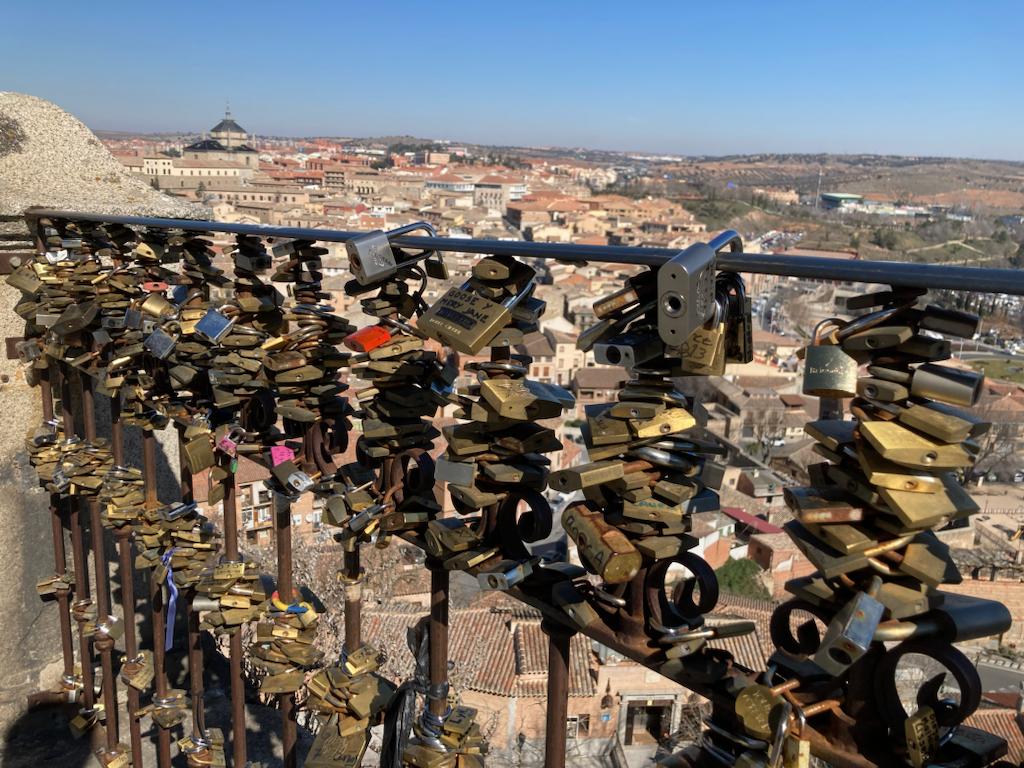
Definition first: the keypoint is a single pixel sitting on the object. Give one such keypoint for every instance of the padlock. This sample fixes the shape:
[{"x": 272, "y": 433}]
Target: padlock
[
  {"x": 828, "y": 371},
  {"x": 703, "y": 352},
  {"x": 948, "y": 385},
  {"x": 603, "y": 549},
  {"x": 171, "y": 512},
  {"x": 214, "y": 326},
  {"x": 504, "y": 574},
  {"x": 367, "y": 339},
  {"x": 157, "y": 306},
  {"x": 686, "y": 293},
  {"x": 28, "y": 350},
  {"x": 850, "y": 633},
  {"x": 292, "y": 479},
  {"x": 370, "y": 257},
  {"x": 739, "y": 341},
  {"x": 630, "y": 349},
  {"x": 951, "y": 322},
  {"x": 160, "y": 343},
  {"x": 457, "y": 472},
  {"x": 227, "y": 437},
  {"x": 466, "y": 321}
]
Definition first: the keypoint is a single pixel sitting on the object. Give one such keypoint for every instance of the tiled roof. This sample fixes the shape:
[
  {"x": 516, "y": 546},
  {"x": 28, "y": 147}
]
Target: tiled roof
[
  {"x": 536, "y": 345},
  {"x": 748, "y": 650},
  {"x": 752, "y": 609},
  {"x": 485, "y": 643},
  {"x": 531, "y": 649}
]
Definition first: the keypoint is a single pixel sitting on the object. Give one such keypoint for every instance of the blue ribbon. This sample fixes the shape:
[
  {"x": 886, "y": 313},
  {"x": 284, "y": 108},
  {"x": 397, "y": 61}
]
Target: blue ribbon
[{"x": 172, "y": 602}]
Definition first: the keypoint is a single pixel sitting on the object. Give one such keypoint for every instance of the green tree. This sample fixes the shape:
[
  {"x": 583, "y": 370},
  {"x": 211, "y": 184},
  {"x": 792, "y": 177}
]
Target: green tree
[{"x": 742, "y": 577}]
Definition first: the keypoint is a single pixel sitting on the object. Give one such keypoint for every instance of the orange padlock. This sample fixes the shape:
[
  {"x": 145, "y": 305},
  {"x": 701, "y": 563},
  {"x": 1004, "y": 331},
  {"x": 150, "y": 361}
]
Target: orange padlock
[{"x": 366, "y": 339}]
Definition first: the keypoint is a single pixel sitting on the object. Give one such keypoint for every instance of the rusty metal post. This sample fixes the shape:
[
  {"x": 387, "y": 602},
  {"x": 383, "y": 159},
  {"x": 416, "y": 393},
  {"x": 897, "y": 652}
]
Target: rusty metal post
[
  {"x": 283, "y": 544},
  {"x": 57, "y": 511},
  {"x": 439, "y": 589},
  {"x": 104, "y": 645},
  {"x": 353, "y": 599},
  {"x": 156, "y": 597},
  {"x": 235, "y": 641},
  {"x": 126, "y": 576},
  {"x": 80, "y": 561},
  {"x": 195, "y": 638},
  {"x": 559, "y": 637}
]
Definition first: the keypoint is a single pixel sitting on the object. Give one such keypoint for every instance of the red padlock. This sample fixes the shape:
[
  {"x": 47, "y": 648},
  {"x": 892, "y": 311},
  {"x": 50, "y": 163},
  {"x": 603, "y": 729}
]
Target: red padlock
[
  {"x": 366, "y": 339},
  {"x": 154, "y": 286}
]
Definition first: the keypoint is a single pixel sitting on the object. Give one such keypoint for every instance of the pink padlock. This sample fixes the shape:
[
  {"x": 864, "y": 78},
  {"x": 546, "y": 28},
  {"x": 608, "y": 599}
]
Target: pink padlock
[
  {"x": 280, "y": 453},
  {"x": 229, "y": 442}
]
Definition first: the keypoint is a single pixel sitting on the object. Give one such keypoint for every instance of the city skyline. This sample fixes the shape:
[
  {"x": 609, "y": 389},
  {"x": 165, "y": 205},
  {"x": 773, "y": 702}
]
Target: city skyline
[{"x": 923, "y": 80}]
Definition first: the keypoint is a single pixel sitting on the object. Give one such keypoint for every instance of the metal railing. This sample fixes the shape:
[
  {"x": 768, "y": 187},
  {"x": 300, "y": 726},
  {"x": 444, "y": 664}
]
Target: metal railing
[{"x": 711, "y": 673}]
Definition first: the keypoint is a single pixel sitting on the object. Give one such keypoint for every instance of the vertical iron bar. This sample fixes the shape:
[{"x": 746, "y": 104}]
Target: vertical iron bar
[
  {"x": 104, "y": 645},
  {"x": 79, "y": 557},
  {"x": 126, "y": 575},
  {"x": 558, "y": 693},
  {"x": 156, "y": 597},
  {"x": 353, "y": 599},
  {"x": 235, "y": 641},
  {"x": 195, "y": 645},
  {"x": 438, "y": 637},
  {"x": 283, "y": 543},
  {"x": 59, "y": 554}
]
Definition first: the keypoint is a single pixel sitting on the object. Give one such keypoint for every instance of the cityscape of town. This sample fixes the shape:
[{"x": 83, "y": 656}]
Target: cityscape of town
[{"x": 841, "y": 207}]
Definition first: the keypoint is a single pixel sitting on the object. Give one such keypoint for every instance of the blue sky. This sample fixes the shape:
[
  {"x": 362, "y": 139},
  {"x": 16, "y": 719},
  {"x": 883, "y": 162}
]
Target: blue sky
[{"x": 715, "y": 77}]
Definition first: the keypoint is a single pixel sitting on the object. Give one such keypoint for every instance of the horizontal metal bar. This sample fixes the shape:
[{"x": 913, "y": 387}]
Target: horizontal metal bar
[{"x": 894, "y": 273}]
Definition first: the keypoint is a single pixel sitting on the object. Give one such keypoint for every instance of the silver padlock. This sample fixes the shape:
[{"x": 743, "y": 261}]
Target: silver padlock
[
  {"x": 133, "y": 318},
  {"x": 947, "y": 385},
  {"x": 60, "y": 481},
  {"x": 45, "y": 434},
  {"x": 630, "y": 349},
  {"x": 214, "y": 326},
  {"x": 112, "y": 323},
  {"x": 364, "y": 517},
  {"x": 283, "y": 248},
  {"x": 849, "y": 634},
  {"x": 686, "y": 293},
  {"x": 28, "y": 350},
  {"x": 456, "y": 472},
  {"x": 299, "y": 482},
  {"x": 160, "y": 343},
  {"x": 828, "y": 370},
  {"x": 505, "y": 574},
  {"x": 172, "y": 512},
  {"x": 370, "y": 258}
]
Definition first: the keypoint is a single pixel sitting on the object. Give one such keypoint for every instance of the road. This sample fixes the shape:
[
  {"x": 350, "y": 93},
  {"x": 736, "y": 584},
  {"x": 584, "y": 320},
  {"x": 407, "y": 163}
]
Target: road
[{"x": 996, "y": 678}]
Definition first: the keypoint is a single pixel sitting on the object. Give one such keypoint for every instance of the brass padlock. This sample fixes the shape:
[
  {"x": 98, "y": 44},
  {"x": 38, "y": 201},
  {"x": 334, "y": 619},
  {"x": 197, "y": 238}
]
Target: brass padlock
[
  {"x": 828, "y": 370},
  {"x": 605, "y": 550}
]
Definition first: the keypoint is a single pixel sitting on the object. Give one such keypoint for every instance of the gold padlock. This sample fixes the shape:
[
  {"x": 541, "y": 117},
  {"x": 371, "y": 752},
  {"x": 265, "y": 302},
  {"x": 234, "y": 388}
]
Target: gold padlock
[{"x": 828, "y": 370}]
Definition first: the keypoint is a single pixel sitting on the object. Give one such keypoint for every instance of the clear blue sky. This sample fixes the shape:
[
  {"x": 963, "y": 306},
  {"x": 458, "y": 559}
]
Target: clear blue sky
[{"x": 937, "y": 78}]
